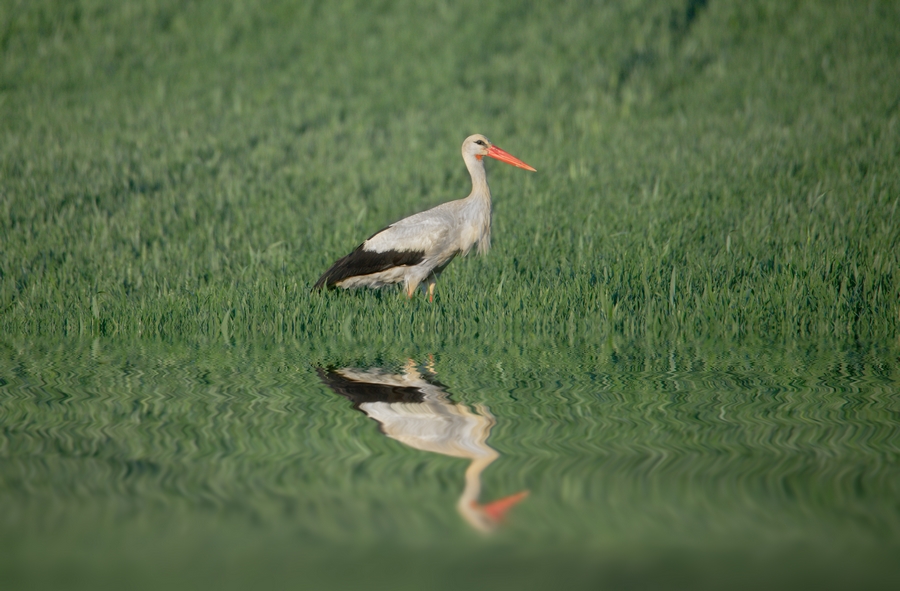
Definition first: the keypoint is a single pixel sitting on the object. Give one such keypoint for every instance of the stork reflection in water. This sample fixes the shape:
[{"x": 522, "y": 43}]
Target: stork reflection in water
[{"x": 418, "y": 412}]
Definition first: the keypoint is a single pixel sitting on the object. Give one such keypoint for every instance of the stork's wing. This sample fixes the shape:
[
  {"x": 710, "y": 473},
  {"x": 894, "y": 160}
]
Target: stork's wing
[
  {"x": 424, "y": 232},
  {"x": 404, "y": 243},
  {"x": 364, "y": 262}
]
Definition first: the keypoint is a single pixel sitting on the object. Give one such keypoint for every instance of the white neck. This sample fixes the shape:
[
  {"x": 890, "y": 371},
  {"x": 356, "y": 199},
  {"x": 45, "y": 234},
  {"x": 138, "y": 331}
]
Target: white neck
[
  {"x": 479, "y": 203},
  {"x": 479, "y": 177},
  {"x": 468, "y": 505}
]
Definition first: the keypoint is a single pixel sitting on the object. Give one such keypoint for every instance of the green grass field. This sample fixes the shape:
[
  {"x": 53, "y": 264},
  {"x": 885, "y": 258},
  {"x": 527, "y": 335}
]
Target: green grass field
[{"x": 706, "y": 170}]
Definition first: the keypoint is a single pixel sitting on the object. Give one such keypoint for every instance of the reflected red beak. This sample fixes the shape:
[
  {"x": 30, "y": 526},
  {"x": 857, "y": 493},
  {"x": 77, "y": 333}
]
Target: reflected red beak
[
  {"x": 504, "y": 156},
  {"x": 497, "y": 510}
]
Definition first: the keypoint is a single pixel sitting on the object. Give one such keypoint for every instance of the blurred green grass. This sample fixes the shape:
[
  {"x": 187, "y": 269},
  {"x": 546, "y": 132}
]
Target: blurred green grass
[{"x": 706, "y": 170}]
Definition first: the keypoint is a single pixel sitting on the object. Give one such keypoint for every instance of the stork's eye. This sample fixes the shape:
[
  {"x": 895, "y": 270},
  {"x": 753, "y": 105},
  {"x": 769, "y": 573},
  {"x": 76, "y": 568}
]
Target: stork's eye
[{"x": 480, "y": 142}]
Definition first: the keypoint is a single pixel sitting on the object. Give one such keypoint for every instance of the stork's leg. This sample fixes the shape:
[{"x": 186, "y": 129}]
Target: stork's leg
[
  {"x": 411, "y": 286},
  {"x": 430, "y": 281},
  {"x": 412, "y": 282}
]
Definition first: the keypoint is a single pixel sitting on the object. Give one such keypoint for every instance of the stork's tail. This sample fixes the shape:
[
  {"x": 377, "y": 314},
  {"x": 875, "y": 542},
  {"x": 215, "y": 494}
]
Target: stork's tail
[{"x": 323, "y": 282}]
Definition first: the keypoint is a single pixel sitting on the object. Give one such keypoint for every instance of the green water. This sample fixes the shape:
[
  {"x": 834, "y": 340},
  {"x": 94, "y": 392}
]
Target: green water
[{"x": 144, "y": 465}]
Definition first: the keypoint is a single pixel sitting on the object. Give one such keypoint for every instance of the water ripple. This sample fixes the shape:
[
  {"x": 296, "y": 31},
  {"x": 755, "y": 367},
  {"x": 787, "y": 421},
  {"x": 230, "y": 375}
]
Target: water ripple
[{"x": 636, "y": 444}]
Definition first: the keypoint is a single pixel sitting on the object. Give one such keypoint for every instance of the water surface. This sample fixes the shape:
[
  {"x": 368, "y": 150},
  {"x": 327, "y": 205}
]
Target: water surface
[{"x": 140, "y": 465}]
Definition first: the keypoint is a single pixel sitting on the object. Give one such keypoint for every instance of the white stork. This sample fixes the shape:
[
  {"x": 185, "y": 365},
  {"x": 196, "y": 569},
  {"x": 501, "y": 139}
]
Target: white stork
[{"x": 417, "y": 248}]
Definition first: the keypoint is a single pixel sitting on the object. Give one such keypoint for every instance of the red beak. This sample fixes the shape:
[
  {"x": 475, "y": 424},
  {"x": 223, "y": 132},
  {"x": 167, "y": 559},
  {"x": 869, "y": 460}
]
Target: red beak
[
  {"x": 503, "y": 156},
  {"x": 497, "y": 509}
]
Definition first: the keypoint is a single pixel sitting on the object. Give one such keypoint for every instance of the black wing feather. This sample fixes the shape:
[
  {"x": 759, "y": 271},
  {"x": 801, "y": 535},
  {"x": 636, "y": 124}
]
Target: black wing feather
[{"x": 364, "y": 262}]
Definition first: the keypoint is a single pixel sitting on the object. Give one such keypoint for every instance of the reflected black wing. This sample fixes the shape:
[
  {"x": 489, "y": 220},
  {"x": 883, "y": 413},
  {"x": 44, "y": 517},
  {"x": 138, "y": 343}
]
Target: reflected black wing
[{"x": 360, "y": 392}]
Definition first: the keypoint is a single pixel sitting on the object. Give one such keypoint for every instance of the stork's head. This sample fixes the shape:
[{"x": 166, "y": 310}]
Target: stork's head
[{"x": 479, "y": 146}]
